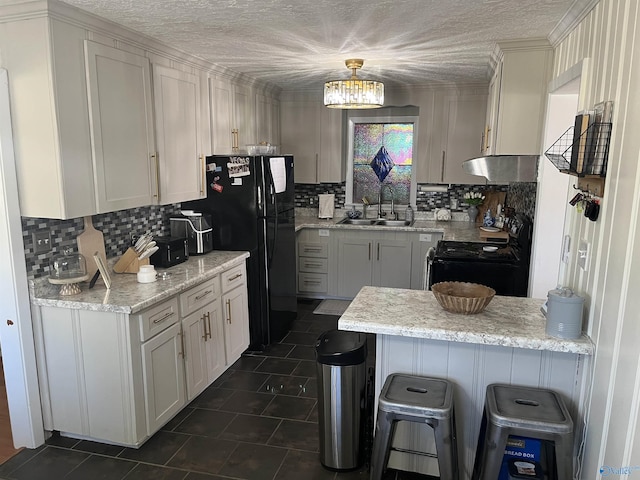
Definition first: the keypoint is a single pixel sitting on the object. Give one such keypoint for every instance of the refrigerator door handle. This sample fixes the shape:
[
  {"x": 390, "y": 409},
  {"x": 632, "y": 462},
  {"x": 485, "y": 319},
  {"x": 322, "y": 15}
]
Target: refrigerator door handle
[{"x": 259, "y": 199}]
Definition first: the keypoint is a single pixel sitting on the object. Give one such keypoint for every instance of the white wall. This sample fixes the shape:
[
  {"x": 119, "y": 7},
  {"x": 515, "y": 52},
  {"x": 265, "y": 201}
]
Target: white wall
[{"x": 610, "y": 38}]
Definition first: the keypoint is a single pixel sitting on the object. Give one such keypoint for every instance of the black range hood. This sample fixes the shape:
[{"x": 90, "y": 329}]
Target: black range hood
[{"x": 504, "y": 168}]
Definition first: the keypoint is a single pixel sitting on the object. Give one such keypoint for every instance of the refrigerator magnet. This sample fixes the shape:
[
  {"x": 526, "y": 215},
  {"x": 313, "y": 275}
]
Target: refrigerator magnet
[
  {"x": 216, "y": 187},
  {"x": 236, "y": 181},
  {"x": 211, "y": 167},
  {"x": 238, "y": 167}
]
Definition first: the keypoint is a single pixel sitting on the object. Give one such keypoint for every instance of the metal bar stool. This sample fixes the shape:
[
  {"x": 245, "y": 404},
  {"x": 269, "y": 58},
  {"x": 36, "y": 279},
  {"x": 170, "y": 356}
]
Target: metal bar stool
[
  {"x": 527, "y": 412},
  {"x": 422, "y": 400}
]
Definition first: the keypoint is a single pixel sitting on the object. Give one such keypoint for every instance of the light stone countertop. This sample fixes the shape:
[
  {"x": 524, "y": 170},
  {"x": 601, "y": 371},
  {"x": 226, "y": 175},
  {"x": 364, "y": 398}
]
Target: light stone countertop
[
  {"x": 453, "y": 230},
  {"x": 507, "y": 321},
  {"x": 127, "y": 295}
]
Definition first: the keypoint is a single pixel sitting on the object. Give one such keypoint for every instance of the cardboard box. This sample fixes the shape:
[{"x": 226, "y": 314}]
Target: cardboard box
[{"x": 520, "y": 447}]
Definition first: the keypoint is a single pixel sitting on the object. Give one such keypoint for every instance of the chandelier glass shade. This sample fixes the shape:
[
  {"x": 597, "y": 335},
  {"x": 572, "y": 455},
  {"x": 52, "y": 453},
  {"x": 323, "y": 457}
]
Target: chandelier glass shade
[{"x": 354, "y": 93}]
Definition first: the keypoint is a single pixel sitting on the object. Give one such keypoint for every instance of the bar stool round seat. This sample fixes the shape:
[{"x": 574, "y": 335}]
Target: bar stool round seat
[
  {"x": 416, "y": 399},
  {"x": 527, "y": 412}
]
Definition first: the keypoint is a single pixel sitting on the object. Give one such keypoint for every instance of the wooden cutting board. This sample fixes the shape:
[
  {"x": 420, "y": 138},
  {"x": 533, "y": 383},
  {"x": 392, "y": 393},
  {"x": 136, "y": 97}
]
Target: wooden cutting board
[
  {"x": 491, "y": 200},
  {"x": 89, "y": 242}
]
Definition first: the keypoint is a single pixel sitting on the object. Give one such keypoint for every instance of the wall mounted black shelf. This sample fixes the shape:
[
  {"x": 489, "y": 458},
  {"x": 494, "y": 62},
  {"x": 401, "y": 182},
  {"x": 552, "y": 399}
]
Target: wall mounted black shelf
[{"x": 584, "y": 156}]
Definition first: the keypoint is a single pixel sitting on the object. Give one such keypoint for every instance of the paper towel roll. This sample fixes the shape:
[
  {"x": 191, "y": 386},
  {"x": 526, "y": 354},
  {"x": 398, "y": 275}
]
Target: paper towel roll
[{"x": 325, "y": 205}]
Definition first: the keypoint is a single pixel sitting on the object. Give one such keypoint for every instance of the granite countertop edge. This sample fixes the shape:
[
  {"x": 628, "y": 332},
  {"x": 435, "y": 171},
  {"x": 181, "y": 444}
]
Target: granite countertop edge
[
  {"x": 127, "y": 295},
  {"x": 416, "y": 314}
]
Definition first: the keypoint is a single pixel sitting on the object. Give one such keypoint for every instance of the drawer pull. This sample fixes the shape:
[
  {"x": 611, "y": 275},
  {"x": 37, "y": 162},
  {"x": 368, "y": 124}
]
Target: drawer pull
[
  {"x": 163, "y": 318},
  {"x": 198, "y": 297},
  {"x": 314, "y": 250},
  {"x": 313, "y": 265},
  {"x": 229, "y": 311},
  {"x": 236, "y": 276},
  {"x": 312, "y": 282}
]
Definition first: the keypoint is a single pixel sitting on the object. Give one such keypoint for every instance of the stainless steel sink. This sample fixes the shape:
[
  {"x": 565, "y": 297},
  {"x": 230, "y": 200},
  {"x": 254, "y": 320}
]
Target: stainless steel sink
[
  {"x": 394, "y": 223},
  {"x": 356, "y": 221},
  {"x": 376, "y": 223}
]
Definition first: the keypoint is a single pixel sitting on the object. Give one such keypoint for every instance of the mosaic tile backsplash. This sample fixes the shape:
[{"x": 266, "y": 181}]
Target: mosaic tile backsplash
[
  {"x": 117, "y": 228},
  {"x": 521, "y": 196}
]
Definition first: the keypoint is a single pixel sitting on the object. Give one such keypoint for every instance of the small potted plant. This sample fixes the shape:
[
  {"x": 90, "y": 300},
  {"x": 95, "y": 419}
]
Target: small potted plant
[{"x": 473, "y": 199}]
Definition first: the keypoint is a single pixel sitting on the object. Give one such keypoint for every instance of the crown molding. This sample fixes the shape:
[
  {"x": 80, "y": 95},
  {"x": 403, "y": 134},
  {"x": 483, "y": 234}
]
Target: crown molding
[{"x": 576, "y": 13}]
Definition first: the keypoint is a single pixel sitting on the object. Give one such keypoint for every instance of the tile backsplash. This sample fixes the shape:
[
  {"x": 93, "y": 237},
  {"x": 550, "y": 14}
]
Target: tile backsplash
[
  {"x": 117, "y": 228},
  {"x": 521, "y": 196}
]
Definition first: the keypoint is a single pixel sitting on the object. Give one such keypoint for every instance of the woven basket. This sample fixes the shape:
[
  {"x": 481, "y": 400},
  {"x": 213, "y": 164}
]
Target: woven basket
[{"x": 462, "y": 297}]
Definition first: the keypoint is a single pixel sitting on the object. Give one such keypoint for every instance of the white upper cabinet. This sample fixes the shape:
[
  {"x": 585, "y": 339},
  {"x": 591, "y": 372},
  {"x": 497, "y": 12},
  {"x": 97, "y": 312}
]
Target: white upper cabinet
[
  {"x": 518, "y": 97},
  {"x": 221, "y": 97},
  {"x": 178, "y": 126},
  {"x": 463, "y": 117},
  {"x": 237, "y": 119},
  {"x": 121, "y": 120},
  {"x": 45, "y": 62},
  {"x": 312, "y": 133}
]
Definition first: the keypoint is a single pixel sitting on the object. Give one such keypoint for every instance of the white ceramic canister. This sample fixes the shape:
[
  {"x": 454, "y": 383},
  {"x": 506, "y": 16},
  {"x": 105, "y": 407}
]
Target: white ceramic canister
[
  {"x": 564, "y": 313},
  {"x": 146, "y": 274}
]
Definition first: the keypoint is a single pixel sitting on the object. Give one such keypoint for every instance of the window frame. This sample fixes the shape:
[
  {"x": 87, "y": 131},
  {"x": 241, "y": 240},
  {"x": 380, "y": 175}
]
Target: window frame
[{"x": 380, "y": 119}]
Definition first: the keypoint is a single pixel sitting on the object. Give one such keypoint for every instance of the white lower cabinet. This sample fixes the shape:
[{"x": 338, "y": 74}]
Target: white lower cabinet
[
  {"x": 375, "y": 258},
  {"x": 118, "y": 378},
  {"x": 163, "y": 377},
  {"x": 340, "y": 262},
  {"x": 236, "y": 313},
  {"x": 204, "y": 358}
]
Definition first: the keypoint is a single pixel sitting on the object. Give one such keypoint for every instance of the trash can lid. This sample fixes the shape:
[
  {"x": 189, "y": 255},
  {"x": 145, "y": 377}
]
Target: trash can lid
[{"x": 338, "y": 347}]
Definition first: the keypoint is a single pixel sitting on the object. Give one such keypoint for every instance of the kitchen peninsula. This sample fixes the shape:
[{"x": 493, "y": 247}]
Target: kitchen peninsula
[
  {"x": 505, "y": 343},
  {"x": 116, "y": 364}
]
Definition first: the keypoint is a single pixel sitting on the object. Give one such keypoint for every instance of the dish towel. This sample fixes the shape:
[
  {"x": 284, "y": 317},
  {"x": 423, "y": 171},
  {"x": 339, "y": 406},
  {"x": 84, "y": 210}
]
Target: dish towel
[{"x": 325, "y": 205}]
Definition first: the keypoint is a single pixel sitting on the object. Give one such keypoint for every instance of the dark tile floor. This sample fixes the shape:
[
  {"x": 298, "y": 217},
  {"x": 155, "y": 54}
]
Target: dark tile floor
[{"x": 258, "y": 421}]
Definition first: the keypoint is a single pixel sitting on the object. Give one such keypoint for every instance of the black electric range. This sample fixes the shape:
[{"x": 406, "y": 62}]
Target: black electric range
[{"x": 501, "y": 266}]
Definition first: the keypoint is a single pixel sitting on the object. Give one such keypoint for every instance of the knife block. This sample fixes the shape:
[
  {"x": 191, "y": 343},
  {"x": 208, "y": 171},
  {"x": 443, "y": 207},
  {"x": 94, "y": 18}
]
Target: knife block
[{"x": 129, "y": 263}]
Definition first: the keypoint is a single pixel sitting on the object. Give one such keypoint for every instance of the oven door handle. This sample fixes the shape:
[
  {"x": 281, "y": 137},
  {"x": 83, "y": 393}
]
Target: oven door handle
[{"x": 428, "y": 261}]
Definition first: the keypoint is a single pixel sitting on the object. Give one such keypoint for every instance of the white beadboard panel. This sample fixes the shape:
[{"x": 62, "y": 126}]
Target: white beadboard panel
[
  {"x": 471, "y": 368},
  {"x": 609, "y": 36}
]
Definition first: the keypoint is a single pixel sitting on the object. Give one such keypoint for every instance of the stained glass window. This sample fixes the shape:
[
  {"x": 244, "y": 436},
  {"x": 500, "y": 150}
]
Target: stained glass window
[{"x": 382, "y": 153}]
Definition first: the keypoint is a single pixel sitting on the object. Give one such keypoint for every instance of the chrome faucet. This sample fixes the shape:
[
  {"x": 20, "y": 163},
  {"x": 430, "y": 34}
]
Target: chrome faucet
[{"x": 382, "y": 213}]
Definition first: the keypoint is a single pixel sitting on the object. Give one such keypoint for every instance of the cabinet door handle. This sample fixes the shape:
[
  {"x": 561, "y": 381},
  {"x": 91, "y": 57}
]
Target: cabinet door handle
[
  {"x": 486, "y": 138},
  {"x": 229, "y": 311},
  {"x": 163, "y": 318},
  {"x": 205, "y": 317},
  {"x": 181, "y": 352},
  {"x": 198, "y": 297},
  {"x": 236, "y": 276},
  {"x": 442, "y": 171},
  {"x": 378, "y": 254},
  {"x": 369, "y": 251},
  {"x": 204, "y": 175},
  {"x": 156, "y": 160}
]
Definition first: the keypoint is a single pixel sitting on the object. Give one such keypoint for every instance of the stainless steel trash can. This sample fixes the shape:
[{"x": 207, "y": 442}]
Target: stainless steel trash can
[{"x": 341, "y": 377}]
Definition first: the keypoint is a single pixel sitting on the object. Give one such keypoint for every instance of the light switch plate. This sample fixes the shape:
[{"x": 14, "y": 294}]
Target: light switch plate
[
  {"x": 425, "y": 237},
  {"x": 41, "y": 241},
  {"x": 583, "y": 254}
]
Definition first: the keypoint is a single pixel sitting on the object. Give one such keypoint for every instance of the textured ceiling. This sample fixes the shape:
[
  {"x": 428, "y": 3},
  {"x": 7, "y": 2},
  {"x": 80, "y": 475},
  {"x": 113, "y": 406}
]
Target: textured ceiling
[{"x": 302, "y": 43}]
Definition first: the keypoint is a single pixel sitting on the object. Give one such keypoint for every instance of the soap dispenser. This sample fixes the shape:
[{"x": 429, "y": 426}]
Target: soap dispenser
[{"x": 408, "y": 214}]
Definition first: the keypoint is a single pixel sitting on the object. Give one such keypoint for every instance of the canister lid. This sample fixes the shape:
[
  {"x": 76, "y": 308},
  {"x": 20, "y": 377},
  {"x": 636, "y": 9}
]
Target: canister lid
[
  {"x": 564, "y": 294},
  {"x": 339, "y": 347}
]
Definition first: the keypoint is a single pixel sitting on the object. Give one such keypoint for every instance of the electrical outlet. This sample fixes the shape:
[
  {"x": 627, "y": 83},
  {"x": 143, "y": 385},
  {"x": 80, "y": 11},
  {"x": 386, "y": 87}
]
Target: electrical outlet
[
  {"x": 583, "y": 255},
  {"x": 42, "y": 241}
]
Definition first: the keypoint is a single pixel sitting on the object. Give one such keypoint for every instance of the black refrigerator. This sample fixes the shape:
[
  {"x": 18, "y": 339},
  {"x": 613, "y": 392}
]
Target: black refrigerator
[{"x": 251, "y": 201}]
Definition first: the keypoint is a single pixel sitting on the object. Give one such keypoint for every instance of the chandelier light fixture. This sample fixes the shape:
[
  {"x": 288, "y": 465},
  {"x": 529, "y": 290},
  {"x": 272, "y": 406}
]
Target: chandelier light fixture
[{"x": 354, "y": 93}]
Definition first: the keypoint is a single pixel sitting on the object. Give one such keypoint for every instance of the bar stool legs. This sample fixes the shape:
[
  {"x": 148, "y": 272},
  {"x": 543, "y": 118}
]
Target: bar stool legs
[{"x": 416, "y": 399}]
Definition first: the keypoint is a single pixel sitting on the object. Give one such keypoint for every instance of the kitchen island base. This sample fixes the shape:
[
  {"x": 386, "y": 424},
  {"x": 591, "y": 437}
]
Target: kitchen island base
[{"x": 471, "y": 367}]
